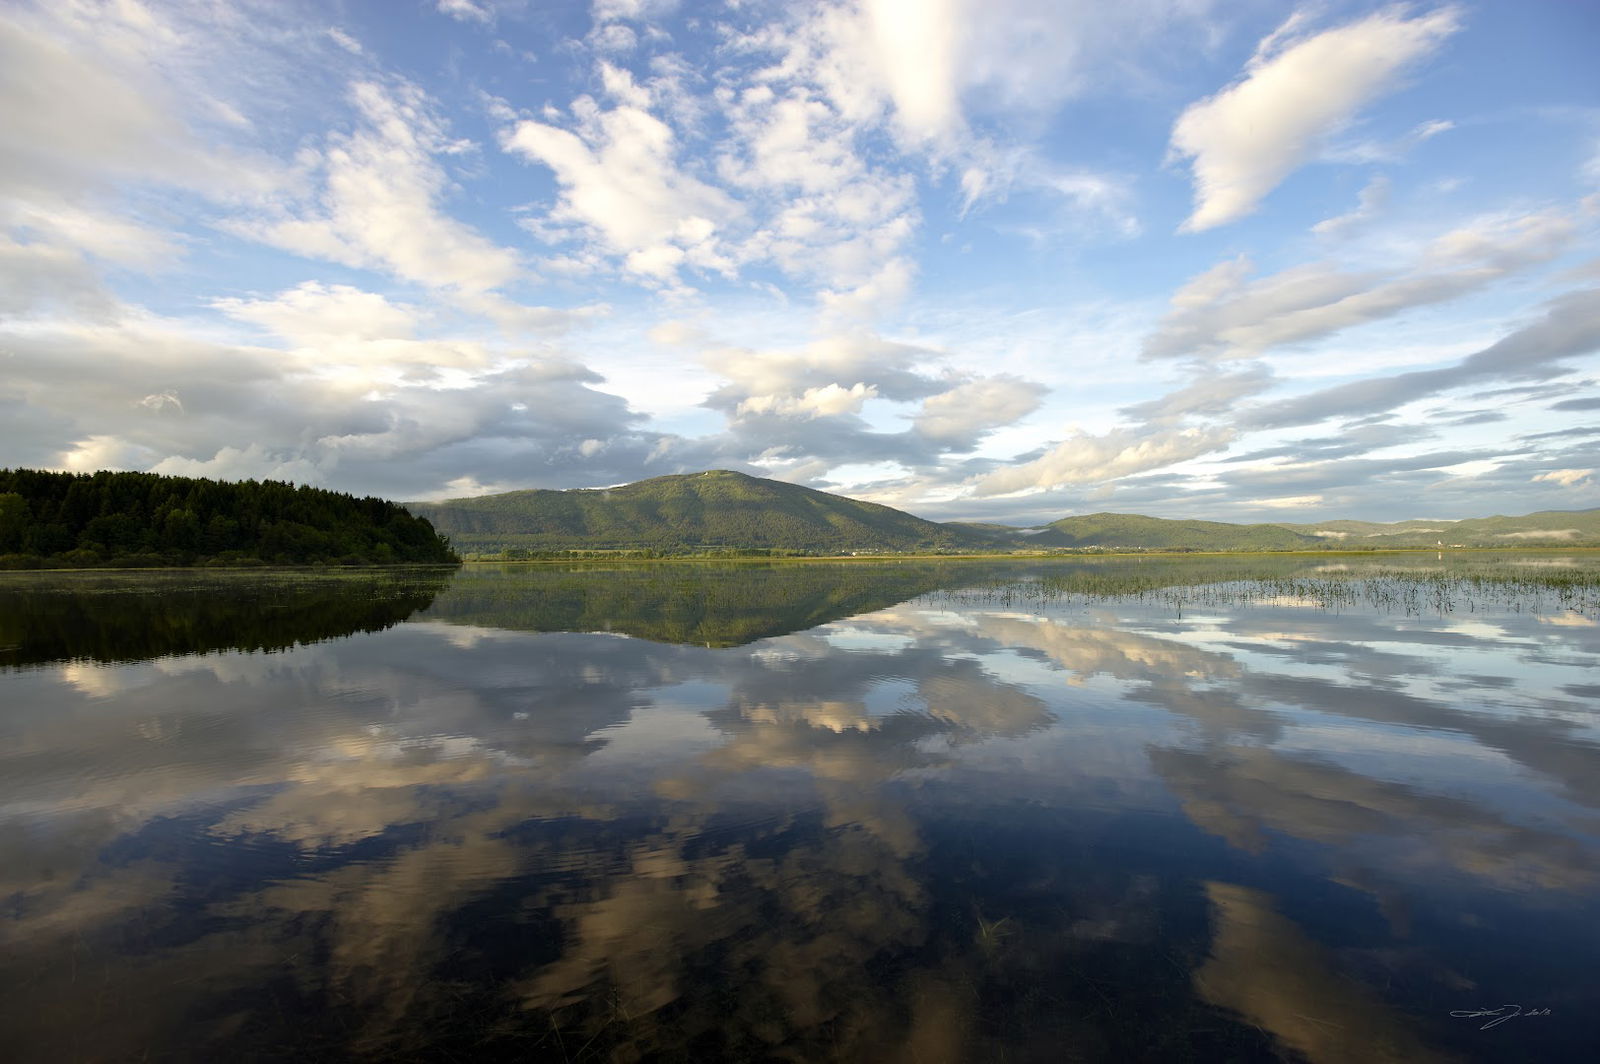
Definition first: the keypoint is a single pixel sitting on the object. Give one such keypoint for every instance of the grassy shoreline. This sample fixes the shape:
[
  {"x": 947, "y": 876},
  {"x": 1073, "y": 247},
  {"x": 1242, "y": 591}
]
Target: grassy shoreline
[
  {"x": 622, "y": 556},
  {"x": 808, "y": 559}
]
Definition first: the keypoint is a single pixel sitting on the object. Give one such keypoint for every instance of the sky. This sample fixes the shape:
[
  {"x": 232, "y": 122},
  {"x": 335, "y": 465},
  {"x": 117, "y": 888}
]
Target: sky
[{"x": 1012, "y": 260}]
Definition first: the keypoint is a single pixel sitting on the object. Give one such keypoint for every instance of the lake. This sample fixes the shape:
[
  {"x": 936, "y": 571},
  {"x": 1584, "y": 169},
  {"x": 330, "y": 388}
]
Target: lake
[{"x": 1230, "y": 808}]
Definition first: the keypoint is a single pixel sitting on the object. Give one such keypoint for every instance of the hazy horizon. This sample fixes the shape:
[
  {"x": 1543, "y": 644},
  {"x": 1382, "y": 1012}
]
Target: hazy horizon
[{"x": 1237, "y": 262}]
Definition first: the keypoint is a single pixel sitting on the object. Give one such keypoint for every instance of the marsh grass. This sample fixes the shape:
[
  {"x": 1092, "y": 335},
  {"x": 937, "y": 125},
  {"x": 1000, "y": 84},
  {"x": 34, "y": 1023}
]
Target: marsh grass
[{"x": 1449, "y": 586}]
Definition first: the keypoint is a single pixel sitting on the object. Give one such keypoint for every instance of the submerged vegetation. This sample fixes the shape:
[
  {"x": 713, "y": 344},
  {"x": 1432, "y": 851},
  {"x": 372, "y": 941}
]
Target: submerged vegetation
[
  {"x": 1420, "y": 586},
  {"x": 144, "y": 520}
]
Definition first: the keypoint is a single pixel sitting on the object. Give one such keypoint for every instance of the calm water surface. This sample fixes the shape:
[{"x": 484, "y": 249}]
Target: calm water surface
[{"x": 1093, "y": 810}]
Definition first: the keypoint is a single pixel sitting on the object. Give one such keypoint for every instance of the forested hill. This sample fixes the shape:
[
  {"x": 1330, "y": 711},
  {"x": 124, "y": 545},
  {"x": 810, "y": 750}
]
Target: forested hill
[
  {"x": 715, "y": 509},
  {"x": 144, "y": 519}
]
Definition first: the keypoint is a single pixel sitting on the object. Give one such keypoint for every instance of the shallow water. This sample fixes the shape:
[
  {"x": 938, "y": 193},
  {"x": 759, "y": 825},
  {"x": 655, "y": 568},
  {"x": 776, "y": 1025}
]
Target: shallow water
[{"x": 1152, "y": 809}]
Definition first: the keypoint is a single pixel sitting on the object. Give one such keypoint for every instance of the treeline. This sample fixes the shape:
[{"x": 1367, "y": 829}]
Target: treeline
[
  {"x": 136, "y": 520},
  {"x": 523, "y": 554}
]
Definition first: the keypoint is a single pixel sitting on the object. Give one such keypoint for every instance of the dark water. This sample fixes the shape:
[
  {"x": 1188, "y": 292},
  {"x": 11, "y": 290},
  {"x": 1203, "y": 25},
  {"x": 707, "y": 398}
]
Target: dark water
[{"x": 1231, "y": 810}]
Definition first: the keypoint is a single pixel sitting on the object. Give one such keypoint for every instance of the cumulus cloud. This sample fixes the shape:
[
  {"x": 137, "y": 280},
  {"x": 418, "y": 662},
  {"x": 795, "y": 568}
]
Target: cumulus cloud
[
  {"x": 800, "y": 181},
  {"x": 621, "y": 184},
  {"x": 1296, "y": 91},
  {"x": 890, "y": 369},
  {"x": 341, "y": 333},
  {"x": 1087, "y": 459},
  {"x": 962, "y": 416},
  {"x": 313, "y": 313},
  {"x": 830, "y": 400},
  {"x": 350, "y": 400},
  {"x": 827, "y": 216},
  {"x": 800, "y": 412}
]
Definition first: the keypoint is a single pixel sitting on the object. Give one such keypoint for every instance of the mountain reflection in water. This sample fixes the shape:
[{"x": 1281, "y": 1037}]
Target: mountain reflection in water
[{"x": 1154, "y": 810}]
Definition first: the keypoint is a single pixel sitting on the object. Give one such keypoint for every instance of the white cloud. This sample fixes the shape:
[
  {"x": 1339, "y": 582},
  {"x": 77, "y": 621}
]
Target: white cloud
[
  {"x": 380, "y": 204},
  {"x": 464, "y": 10},
  {"x": 915, "y": 43},
  {"x": 1374, "y": 196},
  {"x": 889, "y": 368},
  {"x": 1222, "y": 314},
  {"x": 251, "y": 462},
  {"x": 1086, "y": 459},
  {"x": 961, "y": 417},
  {"x": 1296, "y": 91},
  {"x": 1569, "y": 328},
  {"x": 1209, "y": 394},
  {"x": 621, "y": 185},
  {"x": 103, "y": 451},
  {"x": 830, "y": 400},
  {"x": 675, "y": 333},
  {"x": 313, "y": 313},
  {"x": 1567, "y": 478},
  {"x": 613, "y": 38},
  {"x": 344, "y": 40},
  {"x": 1296, "y": 502},
  {"x": 638, "y": 10},
  {"x": 929, "y": 66},
  {"x": 78, "y": 113},
  {"x": 114, "y": 113}
]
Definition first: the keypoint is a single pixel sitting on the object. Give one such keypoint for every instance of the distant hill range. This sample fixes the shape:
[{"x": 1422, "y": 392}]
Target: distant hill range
[
  {"x": 1132, "y": 531},
  {"x": 721, "y": 509},
  {"x": 1549, "y": 528},
  {"x": 1557, "y": 528}
]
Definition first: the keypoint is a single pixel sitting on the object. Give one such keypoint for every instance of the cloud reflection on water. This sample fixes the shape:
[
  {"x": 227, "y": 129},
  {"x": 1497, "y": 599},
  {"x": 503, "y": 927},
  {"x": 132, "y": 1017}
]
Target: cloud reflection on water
[{"x": 813, "y": 841}]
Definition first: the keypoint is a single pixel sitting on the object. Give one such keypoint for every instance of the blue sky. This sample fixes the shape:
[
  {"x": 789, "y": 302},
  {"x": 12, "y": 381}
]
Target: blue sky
[{"x": 1008, "y": 260}]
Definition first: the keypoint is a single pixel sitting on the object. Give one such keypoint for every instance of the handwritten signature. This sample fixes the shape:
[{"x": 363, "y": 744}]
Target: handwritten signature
[{"x": 1499, "y": 1015}]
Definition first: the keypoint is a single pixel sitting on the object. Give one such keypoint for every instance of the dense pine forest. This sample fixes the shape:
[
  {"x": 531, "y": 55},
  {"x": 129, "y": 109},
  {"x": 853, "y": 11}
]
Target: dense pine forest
[{"x": 133, "y": 520}]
